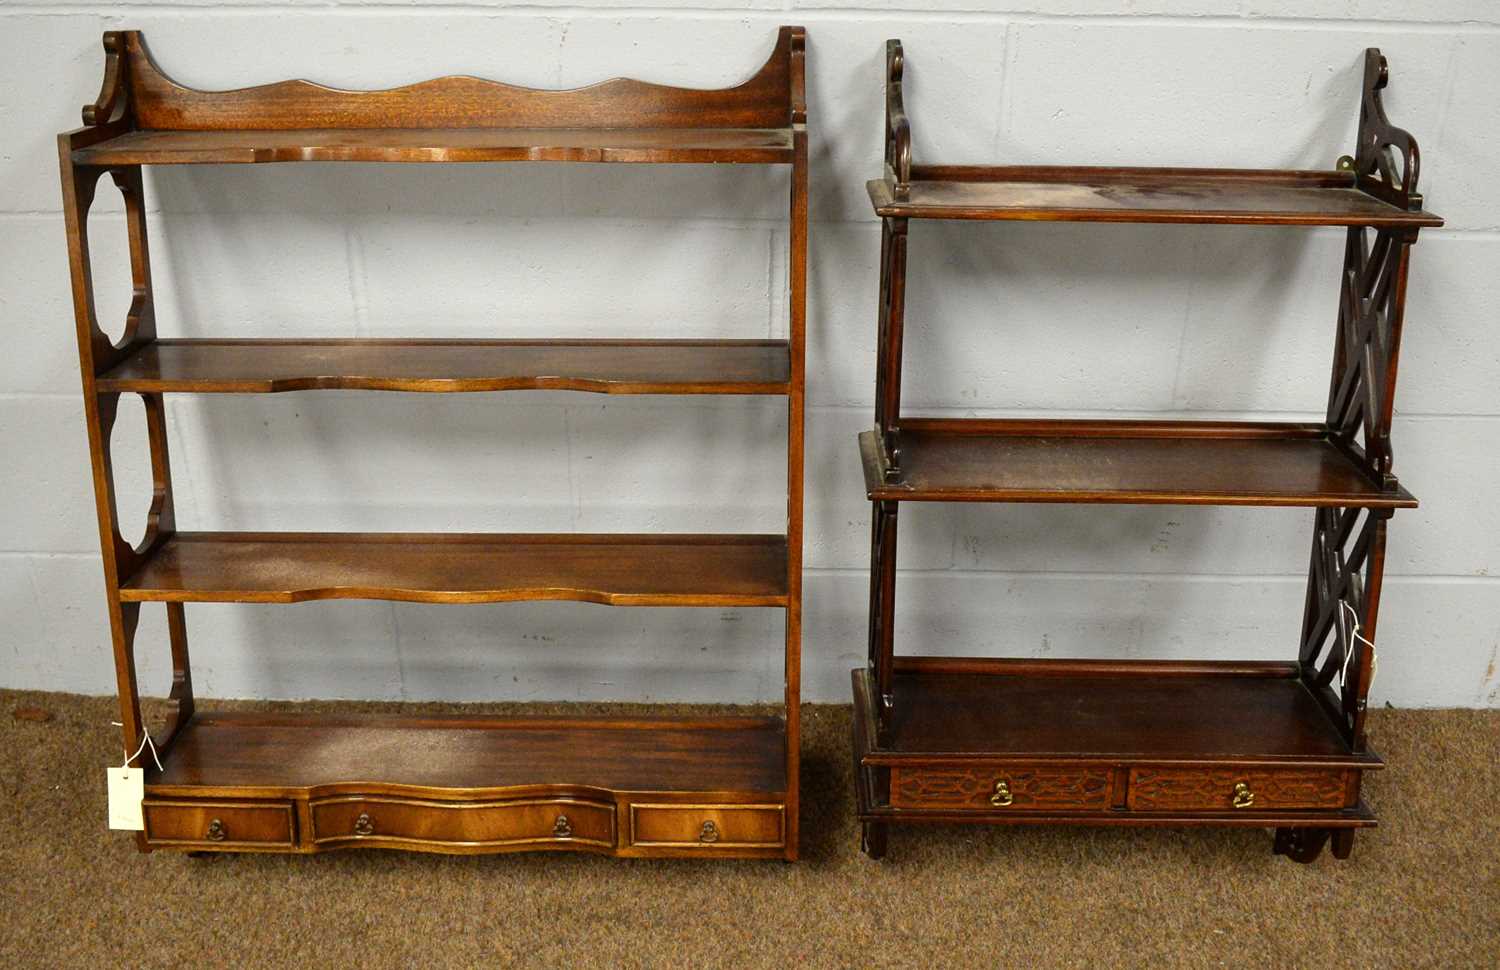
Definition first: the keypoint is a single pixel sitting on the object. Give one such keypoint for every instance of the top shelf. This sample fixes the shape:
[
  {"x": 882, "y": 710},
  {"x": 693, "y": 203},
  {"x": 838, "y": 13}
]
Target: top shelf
[
  {"x": 143, "y": 117},
  {"x": 766, "y": 146},
  {"x": 1376, "y": 187},
  {"x": 1181, "y": 195}
]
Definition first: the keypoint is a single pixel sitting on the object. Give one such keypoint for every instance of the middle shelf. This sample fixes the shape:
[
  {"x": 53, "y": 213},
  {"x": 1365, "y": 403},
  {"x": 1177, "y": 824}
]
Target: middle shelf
[
  {"x": 248, "y": 366},
  {"x": 613, "y": 569},
  {"x": 1127, "y": 462}
]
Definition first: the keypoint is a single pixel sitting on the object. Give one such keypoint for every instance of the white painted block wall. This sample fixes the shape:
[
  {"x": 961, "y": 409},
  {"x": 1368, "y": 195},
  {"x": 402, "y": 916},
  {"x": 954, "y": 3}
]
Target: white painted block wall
[{"x": 1118, "y": 321}]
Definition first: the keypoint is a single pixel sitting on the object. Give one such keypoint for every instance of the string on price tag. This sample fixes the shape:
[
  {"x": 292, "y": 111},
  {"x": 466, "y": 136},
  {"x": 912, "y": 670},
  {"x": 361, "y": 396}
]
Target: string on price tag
[{"x": 127, "y": 788}]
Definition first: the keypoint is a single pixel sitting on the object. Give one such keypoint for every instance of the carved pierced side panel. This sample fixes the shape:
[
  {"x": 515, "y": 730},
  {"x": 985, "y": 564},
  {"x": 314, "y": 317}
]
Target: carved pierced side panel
[
  {"x": 1002, "y": 788},
  {"x": 1230, "y": 789},
  {"x": 1343, "y": 594},
  {"x": 1371, "y": 296}
]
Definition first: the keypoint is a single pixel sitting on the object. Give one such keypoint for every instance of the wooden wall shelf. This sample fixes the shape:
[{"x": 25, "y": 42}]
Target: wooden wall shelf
[
  {"x": 766, "y": 146},
  {"x": 1185, "y": 195},
  {"x": 683, "y": 787},
  {"x": 602, "y": 366},
  {"x": 1274, "y": 745},
  {"x": 1144, "y": 462},
  {"x": 614, "y": 569}
]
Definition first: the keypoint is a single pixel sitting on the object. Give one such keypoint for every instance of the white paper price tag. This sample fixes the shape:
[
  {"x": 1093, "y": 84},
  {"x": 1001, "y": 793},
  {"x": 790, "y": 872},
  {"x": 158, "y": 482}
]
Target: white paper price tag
[{"x": 127, "y": 787}]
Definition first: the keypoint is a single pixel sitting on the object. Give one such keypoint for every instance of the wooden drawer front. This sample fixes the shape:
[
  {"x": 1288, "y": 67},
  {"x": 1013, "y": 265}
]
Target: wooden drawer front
[
  {"x": 1002, "y": 788},
  {"x": 1231, "y": 789},
  {"x": 218, "y": 825},
  {"x": 561, "y": 821},
  {"x": 708, "y": 826}
]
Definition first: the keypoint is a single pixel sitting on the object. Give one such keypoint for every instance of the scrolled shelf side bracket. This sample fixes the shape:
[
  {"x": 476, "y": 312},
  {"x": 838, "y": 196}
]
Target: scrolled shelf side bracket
[
  {"x": 1375, "y": 166},
  {"x": 897, "y": 124},
  {"x": 113, "y": 103}
]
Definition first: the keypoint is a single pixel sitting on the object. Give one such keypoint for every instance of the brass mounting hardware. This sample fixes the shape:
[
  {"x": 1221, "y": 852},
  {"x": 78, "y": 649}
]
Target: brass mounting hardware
[
  {"x": 1002, "y": 798},
  {"x": 216, "y": 831},
  {"x": 709, "y": 832},
  {"x": 1345, "y": 163},
  {"x": 1243, "y": 796},
  {"x": 364, "y": 825},
  {"x": 562, "y": 828}
]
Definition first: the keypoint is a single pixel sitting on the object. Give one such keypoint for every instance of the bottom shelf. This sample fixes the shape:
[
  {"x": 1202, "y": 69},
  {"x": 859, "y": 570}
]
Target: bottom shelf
[
  {"x": 997, "y": 741},
  {"x": 282, "y": 782}
]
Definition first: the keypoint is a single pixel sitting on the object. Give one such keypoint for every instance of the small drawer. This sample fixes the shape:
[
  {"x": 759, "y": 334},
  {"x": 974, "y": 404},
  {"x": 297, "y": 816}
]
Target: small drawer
[
  {"x": 218, "y": 825},
  {"x": 708, "y": 826},
  {"x": 1235, "y": 789},
  {"x": 418, "y": 822},
  {"x": 1002, "y": 787}
]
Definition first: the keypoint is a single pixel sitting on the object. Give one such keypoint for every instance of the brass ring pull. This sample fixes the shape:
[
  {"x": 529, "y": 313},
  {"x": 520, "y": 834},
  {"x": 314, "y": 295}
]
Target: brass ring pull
[
  {"x": 1243, "y": 796},
  {"x": 216, "y": 831},
  {"x": 562, "y": 828},
  {"x": 1002, "y": 798},
  {"x": 364, "y": 825},
  {"x": 709, "y": 833}
]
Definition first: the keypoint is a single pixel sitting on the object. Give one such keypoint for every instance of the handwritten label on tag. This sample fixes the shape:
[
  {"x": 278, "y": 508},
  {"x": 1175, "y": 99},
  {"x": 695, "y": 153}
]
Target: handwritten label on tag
[{"x": 127, "y": 786}]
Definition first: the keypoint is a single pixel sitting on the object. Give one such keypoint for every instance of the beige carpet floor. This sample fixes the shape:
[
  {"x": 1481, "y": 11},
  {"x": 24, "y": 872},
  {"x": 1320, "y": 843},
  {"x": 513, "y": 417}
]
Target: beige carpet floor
[{"x": 1422, "y": 890}]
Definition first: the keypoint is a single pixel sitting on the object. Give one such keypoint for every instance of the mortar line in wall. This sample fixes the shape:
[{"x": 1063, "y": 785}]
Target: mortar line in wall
[
  {"x": 968, "y": 411},
  {"x": 773, "y": 296},
  {"x": 400, "y": 654},
  {"x": 746, "y": 222},
  {"x": 813, "y": 15},
  {"x": 751, "y": 401},
  {"x": 177, "y": 442},
  {"x": 1448, "y": 579},
  {"x": 354, "y": 257},
  {"x": 962, "y": 411},
  {"x": 1453, "y": 579}
]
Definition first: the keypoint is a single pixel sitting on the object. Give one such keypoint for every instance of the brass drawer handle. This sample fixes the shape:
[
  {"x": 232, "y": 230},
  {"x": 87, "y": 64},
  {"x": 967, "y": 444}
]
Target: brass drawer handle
[
  {"x": 1002, "y": 798},
  {"x": 1243, "y": 796},
  {"x": 562, "y": 828},
  {"x": 709, "y": 833},
  {"x": 216, "y": 831},
  {"x": 364, "y": 825}
]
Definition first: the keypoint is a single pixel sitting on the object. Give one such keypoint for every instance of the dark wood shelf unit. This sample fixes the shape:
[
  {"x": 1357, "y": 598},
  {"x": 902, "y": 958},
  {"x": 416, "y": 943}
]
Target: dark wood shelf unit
[
  {"x": 605, "y": 366},
  {"x": 1135, "y": 742},
  {"x": 302, "y": 782},
  {"x": 614, "y": 569},
  {"x": 1133, "y": 462}
]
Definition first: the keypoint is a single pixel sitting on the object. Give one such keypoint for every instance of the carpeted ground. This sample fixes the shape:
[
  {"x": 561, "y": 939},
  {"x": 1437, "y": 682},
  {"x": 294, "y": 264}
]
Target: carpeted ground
[{"x": 1423, "y": 890}]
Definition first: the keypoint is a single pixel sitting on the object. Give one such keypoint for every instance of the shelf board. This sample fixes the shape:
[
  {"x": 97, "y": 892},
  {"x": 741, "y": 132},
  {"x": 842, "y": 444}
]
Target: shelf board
[
  {"x": 1082, "y": 194},
  {"x": 279, "y": 755},
  {"x": 1123, "y": 462},
  {"x": 604, "y": 366},
  {"x": 1105, "y": 711},
  {"x": 716, "y": 145},
  {"x": 614, "y": 569}
]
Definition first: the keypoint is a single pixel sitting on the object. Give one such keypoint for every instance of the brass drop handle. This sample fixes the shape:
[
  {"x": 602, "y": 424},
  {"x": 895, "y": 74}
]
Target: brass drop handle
[
  {"x": 364, "y": 825},
  {"x": 709, "y": 833},
  {"x": 1001, "y": 797},
  {"x": 562, "y": 828},
  {"x": 1243, "y": 796},
  {"x": 216, "y": 831}
]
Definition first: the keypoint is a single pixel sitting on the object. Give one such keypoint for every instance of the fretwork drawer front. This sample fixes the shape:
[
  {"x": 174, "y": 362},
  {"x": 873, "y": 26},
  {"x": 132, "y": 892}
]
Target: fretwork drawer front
[
  {"x": 218, "y": 825},
  {"x": 492, "y": 824},
  {"x": 1002, "y": 787},
  {"x": 708, "y": 826},
  {"x": 1235, "y": 789}
]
